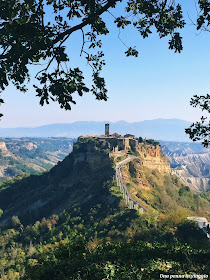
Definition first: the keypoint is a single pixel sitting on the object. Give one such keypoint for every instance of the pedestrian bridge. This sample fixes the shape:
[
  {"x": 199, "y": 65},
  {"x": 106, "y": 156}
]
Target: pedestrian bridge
[{"x": 130, "y": 201}]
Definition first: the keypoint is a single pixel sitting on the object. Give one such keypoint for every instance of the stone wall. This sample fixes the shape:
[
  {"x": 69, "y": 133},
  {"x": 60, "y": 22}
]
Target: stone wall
[{"x": 133, "y": 143}]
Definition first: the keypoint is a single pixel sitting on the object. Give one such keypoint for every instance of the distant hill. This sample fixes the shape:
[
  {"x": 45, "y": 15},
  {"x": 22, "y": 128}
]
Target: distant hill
[{"x": 163, "y": 129}]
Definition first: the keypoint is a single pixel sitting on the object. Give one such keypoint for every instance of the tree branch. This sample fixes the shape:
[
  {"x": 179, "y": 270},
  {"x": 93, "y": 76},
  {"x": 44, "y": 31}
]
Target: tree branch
[{"x": 85, "y": 22}]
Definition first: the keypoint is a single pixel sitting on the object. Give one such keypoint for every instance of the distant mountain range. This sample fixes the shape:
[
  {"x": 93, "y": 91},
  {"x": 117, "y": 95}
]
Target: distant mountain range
[{"x": 161, "y": 129}]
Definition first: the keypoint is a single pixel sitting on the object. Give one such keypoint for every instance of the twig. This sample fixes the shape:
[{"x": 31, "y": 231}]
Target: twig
[{"x": 83, "y": 43}]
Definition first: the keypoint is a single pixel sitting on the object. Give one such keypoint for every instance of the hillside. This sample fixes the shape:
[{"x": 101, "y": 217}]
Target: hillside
[
  {"x": 74, "y": 221},
  {"x": 164, "y": 129},
  {"x": 161, "y": 192},
  {"x": 68, "y": 183},
  {"x": 72, "y": 180},
  {"x": 22, "y": 156}
]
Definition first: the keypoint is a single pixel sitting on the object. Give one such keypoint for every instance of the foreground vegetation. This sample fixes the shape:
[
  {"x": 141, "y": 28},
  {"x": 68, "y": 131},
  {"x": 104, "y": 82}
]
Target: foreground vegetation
[{"x": 120, "y": 246}]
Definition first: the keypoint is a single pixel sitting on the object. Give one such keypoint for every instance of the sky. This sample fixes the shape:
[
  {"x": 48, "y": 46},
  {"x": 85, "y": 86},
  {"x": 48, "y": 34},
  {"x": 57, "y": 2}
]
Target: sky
[{"x": 157, "y": 84}]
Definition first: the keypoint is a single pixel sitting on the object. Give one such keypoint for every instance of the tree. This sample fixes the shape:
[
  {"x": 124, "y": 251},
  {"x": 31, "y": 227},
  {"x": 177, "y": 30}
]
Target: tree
[
  {"x": 27, "y": 37},
  {"x": 38, "y": 32},
  {"x": 15, "y": 221},
  {"x": 200, "y": 130},
  {"x": 1, "y": 212}
]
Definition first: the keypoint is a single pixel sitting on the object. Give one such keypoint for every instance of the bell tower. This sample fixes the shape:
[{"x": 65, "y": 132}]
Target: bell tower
[{"x": 107, "y": 129}]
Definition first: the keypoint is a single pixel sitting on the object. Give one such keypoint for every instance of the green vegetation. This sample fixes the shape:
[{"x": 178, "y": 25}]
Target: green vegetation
[
  {"x": 71, "y": 223},
  {"x": 39, "y": 146},
  {"x": 132, "y": 152},
  {"x": 151, "y": 142},
  {"x": 37, "y": 31},
  {"x": 32, "y": 154},
  {"x": 83, "y": 143},
  {"x": 132, "y": 169},
  {"x": 117, "y": 246},
  {"x": 117, "y": 260},
  {"x": 148, "y": 141},
  {"x": 200, "y": 130},
  {"x": 167, "y": 193},
  {"x": 14, "y": 167},
  {"x": 140, "y": 140},
  {"x": 121, "y": 158}
]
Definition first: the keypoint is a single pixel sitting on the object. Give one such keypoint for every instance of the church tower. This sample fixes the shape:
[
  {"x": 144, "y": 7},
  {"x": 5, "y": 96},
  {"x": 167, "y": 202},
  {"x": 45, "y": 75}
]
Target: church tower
[{"x": 107, "y": 129}]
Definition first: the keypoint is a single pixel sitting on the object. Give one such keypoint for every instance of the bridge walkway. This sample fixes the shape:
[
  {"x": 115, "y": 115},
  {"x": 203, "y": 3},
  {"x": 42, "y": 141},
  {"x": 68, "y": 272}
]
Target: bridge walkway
[{"x": 130, "y": 201}]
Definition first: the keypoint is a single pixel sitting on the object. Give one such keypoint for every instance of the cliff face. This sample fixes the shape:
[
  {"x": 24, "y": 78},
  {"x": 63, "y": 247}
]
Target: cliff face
[
  {"x": 152, "y": 158},
  {"x": 87, "y": 165},
  {"x": 30, "y": 156},
  {"x": 3, "y": 146},
  {"x": 200, "y": 184},
  {"x": 5, "y": 151},
  {"x": 159, "y": 163},
  {"x": 89, "y": 154}
]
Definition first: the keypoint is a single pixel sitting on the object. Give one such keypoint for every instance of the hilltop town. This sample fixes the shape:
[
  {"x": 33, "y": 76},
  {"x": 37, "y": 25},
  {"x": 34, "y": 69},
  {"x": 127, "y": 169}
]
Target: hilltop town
[{"x": 148, "y": 150}]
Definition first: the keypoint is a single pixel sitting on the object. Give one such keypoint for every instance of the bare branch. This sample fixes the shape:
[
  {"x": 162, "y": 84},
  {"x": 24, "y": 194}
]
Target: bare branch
[{"x": 83, "y": 42}]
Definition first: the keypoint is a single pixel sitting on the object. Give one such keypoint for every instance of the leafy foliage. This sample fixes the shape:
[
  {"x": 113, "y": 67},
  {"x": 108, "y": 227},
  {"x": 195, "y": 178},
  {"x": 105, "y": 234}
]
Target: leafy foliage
[
  {"x": 38, "y": 33},
  {"x": 133, "y": 260},
  {"x": 200, "y": 131}
]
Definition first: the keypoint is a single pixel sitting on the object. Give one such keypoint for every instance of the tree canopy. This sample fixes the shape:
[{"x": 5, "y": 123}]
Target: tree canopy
[{"x": 38, "y": 32}]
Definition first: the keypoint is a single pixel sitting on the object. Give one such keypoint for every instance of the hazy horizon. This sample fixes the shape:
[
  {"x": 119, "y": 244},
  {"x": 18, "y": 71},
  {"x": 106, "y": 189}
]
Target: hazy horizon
[{"x": 102, "y": 121}]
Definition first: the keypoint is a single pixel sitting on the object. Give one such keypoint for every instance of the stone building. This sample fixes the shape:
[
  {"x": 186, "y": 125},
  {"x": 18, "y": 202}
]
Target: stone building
[{"x": 116, "y": 142}]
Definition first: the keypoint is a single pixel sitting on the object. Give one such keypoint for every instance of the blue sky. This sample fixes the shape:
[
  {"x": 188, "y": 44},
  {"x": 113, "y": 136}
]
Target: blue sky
[{"x": 157, "y": 84}]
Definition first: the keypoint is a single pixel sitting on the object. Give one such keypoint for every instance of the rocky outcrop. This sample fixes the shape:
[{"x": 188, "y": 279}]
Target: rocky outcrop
[
  {"x": 94, "y": 159},
  {"x": 5, "y": 152},
  {"x": 30, "y": 146},
  {"x": 193, "y": 169},
  {"x": 200, "y": 184},
  {"x": 149, "y": 154},
  {"x": 159, "y": 163},
  {"x": 90, "y": 154},
  {"x": 3, "y": 146},
  {"x": 152, "y": 158}
]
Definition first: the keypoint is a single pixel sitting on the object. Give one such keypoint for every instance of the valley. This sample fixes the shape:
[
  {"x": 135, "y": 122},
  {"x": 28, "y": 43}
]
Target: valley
[
  {"x": 190, "y": 162},
  {"x": 24, "y": 156}
]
